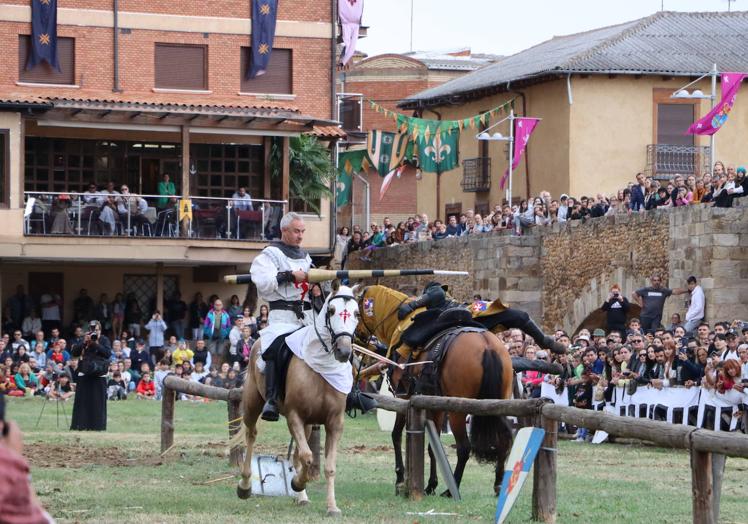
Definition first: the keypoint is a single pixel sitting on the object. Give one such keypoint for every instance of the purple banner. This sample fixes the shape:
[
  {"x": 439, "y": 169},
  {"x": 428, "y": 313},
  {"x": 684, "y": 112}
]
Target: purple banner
[
  {"x": 523, "y": 128},
  {"x": 716, "y": 118}
]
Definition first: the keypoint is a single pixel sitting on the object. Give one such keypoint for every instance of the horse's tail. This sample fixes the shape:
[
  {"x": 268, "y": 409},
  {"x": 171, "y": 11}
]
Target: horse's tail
[
  {"x": 237, "y": 439},
  {"x": 490, "y": 436}
]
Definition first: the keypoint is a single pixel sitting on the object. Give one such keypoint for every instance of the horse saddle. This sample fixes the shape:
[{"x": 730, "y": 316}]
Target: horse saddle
[
  {"x": 432, "y": 321},
  {"x": 436, "y": 349}
]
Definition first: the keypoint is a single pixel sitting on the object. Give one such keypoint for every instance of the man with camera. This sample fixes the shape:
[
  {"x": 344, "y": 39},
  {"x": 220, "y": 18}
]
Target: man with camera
[
  {"x": 18, "y": 502},
  {"x": 616, "y": 307},
  {"x": 89, "y": 409}
]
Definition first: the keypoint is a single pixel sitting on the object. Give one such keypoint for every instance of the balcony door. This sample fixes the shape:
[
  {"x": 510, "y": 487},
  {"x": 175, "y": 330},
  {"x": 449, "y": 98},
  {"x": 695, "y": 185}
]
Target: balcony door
[
  {"x": 674, "y": 151},
  {"x": 672, "y": 122}
]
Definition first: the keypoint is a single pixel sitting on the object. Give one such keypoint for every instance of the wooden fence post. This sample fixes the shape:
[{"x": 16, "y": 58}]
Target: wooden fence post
[
  {"x": 235, "y": 412},
  {"x": 544, "y": 473},
  {"x": 314, "y": 445},
  {"x": 718, "y": 471},
  {"x": 414, "y": 450},
  {"x": 167, "y": 418},
  {"x": 701, "y": 487}
]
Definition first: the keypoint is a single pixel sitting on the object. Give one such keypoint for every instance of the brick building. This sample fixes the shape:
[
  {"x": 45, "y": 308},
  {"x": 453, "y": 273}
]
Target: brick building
[
  {"x": 154, "y": 88},
  {"x": 387, "y": 79}
]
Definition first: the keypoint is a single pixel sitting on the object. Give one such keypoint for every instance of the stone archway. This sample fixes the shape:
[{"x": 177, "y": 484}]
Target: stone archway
[{"x": 585, "y": 312}]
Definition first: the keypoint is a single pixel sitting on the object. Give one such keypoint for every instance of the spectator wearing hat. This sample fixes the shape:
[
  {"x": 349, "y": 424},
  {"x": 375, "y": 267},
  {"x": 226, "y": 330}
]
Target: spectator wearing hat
[
  {"x": 616, "y": 308},
  {"x": 598, "y": 338},
  {"x": 731, "y": 350}
]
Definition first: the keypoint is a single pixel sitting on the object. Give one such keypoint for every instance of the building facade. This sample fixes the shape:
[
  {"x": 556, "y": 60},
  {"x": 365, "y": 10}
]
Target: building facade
[
  {"x": 386, "y": 79},
  {"x": 605, "y": 100},
  {"x": 155, "y": 89}
]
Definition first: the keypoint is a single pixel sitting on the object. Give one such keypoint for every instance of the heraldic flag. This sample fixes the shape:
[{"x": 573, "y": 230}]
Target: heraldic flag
[
  {"x": 386, "y": 150},
  {"x": 43, "y": 34},
  {"x": 716, "y": 118},
  {"x": 263, "y": 33},
  {"x": 349, "y": 162},
  {"x": 438, "y": 152}
]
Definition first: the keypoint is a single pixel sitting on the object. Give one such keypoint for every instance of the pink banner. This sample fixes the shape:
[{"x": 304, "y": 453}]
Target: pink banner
[
  {"x": 523, "y": 128},
  {"x": 716, "y": 118},
  {"x": 350, "y": 12}
]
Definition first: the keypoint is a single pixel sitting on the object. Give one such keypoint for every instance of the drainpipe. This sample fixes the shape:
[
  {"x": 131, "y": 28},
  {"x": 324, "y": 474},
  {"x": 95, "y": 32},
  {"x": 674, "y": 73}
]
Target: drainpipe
[
  {"x": 333, "y": 115},
  {"x": 115, "y": 87}
]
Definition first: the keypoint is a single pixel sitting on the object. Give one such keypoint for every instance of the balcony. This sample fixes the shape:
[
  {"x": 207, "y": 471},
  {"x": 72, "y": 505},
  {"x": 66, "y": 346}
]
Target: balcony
[
  {"x": 476, "y": 174},
  {"x": 103, "y": 214},
  {"x": 665, "y": 161}
]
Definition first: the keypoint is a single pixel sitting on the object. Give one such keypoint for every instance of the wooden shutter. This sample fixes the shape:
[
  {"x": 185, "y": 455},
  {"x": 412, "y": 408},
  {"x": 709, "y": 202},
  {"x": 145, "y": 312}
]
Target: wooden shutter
[
  {"x": 43, "y": 73},
  {"x": 277, "y": 80},
  {"x": 181, "y": 66},
  {"x": 672, "y": 122}
]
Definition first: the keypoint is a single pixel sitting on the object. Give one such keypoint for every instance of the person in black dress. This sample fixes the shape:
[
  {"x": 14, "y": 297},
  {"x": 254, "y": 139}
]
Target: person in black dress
[{"x": 89, "y": 409}]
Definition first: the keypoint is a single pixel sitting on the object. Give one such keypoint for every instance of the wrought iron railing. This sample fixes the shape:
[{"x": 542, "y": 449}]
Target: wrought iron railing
[
  {"x": 664, "y": 161},
  {"x": 476, "y": 174},
  {"x": 128, "y": 215}
]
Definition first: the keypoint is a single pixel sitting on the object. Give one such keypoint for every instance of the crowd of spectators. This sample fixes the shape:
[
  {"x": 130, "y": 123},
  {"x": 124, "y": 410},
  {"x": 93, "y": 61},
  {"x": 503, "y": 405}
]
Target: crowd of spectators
[
  {"x": 632, "y": 355},
  {"x": 643, "y": 194},
  {"x": 202, "y": 341},
  {"x": 114, "y": 210}
]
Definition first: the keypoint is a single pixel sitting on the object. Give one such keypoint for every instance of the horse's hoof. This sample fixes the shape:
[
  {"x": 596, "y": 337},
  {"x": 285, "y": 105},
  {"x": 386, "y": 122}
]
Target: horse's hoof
[
  {"x": 302, "y": 502},
  {"x": 430, "y": 490},
  {"x": 335, "y": 512},
  {"x": 296, "y": 487},
  {"x": 446, "y": 494},
  {"x": 243, "y": 493}
]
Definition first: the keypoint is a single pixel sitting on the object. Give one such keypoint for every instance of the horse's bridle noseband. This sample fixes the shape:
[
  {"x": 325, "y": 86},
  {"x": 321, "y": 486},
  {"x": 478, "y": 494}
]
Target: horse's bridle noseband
[{"x": 333, "y": 335}]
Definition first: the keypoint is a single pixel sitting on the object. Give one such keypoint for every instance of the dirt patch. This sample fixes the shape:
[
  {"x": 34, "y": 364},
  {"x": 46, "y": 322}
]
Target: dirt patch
[
  {"x": 42, "y": 455},
  {"x": 359, "y": 449}
]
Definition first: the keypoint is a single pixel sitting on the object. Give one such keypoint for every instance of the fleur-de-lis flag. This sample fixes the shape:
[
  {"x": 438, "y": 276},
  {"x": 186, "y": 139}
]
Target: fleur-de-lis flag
[
  {"x": 43, "y": 34},
  {"x": 264, "y": 13},
  {"x": 438, "y": 152}
]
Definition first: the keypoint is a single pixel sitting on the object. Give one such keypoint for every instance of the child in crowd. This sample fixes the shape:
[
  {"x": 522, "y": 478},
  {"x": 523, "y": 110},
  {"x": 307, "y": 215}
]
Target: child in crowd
[{"x": 146, "y": 388}]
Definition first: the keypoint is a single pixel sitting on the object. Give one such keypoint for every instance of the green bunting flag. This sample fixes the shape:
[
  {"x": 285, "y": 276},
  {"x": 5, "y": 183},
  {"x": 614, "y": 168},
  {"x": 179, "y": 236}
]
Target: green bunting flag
[
  {"x": 349, "y": 162},
  {"x": 439, "y": 152}
]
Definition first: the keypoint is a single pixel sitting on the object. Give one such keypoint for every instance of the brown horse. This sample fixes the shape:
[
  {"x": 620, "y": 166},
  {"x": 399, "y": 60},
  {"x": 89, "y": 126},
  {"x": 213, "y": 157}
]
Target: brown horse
[
  {"x": 309, "y": 399},
  {"x": 476, "y": 366}
]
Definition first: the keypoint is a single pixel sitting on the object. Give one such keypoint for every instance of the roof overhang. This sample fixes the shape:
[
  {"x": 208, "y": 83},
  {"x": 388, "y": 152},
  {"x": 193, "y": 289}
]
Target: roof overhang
[{"x": 462, "y": 97}]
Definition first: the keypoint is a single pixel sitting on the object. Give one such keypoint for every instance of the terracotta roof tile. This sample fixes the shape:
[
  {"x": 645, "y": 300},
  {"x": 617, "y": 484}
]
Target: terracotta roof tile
[{"x": 328, "y": 132}]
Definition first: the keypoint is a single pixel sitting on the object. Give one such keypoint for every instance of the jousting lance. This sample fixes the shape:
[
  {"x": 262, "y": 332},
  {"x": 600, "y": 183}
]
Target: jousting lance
[{"x": 320, "y": 275}]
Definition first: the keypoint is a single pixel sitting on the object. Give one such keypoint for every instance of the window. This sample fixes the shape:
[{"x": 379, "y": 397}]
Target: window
[
  {"x": 4, "y": 167},
  {"x": 278, "y": 78},
  {"x": 672, "y": 122},
  {"x": 299, "y": 205},
  {"x": 350, "y": 113},
  {"x": 223, "y": 168},
  {"x": 181, "y": 66},
  {"x": 43, "y": 73}
]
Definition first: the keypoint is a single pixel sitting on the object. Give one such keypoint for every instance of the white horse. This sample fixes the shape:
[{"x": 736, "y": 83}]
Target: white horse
[{"x": 309, "y": 398}]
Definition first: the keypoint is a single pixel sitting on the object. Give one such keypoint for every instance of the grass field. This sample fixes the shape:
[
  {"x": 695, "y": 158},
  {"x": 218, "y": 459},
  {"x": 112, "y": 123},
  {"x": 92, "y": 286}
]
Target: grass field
[{"x": 118, "y": 476}]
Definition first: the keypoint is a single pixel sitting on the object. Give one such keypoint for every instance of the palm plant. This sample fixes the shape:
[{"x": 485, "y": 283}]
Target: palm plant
[{"x": 310, "y": 166}]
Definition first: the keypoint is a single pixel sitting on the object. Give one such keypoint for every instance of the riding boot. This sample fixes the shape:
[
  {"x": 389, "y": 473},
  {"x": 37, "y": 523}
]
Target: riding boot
[
  {"x": 270, "y": 409},
  {"x": 542, "y": 340},
  {"x": 360, "y": 401}
]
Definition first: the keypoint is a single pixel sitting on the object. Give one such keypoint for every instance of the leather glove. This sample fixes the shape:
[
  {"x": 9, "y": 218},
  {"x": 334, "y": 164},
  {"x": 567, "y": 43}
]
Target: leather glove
[
  {"x": 405, "y": 310},
  {"x": 285, "y": 277}
]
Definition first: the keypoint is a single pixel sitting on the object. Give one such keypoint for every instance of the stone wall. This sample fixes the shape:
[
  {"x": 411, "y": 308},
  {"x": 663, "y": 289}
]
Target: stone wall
[{"x": 562, "y": 274}]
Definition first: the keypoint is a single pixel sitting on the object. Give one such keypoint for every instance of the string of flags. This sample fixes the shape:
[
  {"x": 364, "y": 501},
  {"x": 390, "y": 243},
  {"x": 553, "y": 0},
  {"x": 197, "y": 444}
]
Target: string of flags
[{"x": 432, "y": 145}]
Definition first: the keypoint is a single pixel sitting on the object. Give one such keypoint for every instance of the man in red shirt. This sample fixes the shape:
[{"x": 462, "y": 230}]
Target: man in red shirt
[{"x": 18, "y": 502}]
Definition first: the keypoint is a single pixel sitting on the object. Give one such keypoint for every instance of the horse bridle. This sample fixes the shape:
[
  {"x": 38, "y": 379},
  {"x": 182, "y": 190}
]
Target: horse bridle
[
  {"x": 387, "y": 316},
  {"x": 333, "y": 335}
]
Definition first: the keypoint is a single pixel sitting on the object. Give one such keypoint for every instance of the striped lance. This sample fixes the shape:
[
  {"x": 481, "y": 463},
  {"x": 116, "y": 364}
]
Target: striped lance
[{"x": 320, "y": 275}]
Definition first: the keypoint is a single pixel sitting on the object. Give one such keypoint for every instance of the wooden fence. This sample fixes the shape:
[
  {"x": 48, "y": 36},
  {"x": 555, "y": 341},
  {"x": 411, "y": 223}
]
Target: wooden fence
[{"x": 704, "y": 445}]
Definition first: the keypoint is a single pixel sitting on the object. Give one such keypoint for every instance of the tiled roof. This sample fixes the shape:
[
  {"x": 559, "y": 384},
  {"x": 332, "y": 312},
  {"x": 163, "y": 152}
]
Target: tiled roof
[
  {"x": 672, "y": 43},
  {"x": 328, "y": 132}
]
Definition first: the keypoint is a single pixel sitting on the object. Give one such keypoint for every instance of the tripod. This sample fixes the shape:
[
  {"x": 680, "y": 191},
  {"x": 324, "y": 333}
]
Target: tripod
[{"x": 60, "y": 404}]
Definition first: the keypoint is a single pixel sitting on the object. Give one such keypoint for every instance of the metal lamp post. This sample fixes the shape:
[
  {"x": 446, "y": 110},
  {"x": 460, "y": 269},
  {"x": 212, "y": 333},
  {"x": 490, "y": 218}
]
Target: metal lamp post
[
  {"x": 697, "y": 94},
  {"x": 485, "y": 135}
]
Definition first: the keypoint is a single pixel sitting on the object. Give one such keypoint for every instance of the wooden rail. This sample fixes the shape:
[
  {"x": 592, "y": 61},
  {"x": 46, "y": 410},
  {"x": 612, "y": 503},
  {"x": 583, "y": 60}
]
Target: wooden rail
[{"x": 703, "y": 444}]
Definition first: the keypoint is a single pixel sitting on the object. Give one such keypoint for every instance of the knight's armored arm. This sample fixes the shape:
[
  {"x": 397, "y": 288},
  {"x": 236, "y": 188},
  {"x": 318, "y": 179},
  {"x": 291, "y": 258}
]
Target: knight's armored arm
[{"x": 434, "y": 296}]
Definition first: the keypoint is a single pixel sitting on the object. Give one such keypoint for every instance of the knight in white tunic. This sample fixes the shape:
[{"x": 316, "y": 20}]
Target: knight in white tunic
[{"x": 280, "y": 274}]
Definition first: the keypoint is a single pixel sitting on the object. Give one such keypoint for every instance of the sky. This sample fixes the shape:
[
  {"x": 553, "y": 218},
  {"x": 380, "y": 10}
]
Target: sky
[{"x": 500, "y": 26}]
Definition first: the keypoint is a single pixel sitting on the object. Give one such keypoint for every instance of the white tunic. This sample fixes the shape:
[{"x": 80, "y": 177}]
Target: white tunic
[{"x": 264, "y": 271}]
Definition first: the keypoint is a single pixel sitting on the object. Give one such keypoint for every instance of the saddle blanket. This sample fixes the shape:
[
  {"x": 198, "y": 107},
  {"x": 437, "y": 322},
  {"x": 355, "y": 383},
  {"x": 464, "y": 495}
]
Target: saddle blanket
[{"x": 306, "y": 346}]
